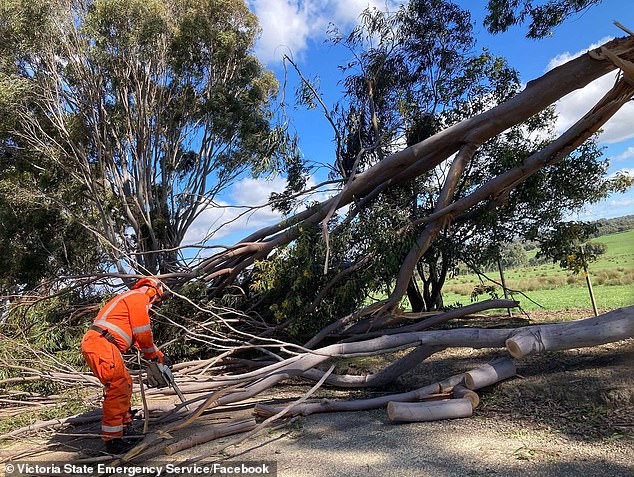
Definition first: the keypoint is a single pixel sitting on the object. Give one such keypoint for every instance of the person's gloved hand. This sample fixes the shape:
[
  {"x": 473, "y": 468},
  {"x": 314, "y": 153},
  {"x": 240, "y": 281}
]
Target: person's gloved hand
[{"x": 166, "y": 360}]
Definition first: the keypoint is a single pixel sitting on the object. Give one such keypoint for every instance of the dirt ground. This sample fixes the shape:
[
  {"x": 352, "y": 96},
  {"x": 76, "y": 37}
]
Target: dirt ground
[
  {"x": 566, "y": 414},
  {"x": 569, "y": 414}
]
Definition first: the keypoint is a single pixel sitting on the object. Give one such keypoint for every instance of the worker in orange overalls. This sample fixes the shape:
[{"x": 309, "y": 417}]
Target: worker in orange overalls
[{"x": 124, "y": 321}]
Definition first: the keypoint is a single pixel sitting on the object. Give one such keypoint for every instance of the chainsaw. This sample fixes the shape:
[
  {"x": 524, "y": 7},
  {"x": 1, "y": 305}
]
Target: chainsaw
[{"x": 160, "y": 376}]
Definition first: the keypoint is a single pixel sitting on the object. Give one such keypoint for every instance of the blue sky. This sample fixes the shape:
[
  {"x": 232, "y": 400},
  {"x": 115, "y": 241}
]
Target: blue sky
[{"x": 298, "y": 28}]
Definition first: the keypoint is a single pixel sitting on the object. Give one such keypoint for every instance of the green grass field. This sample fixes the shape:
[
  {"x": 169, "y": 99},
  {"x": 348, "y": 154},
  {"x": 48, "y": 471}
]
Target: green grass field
[{"x": 553, "y": 288}]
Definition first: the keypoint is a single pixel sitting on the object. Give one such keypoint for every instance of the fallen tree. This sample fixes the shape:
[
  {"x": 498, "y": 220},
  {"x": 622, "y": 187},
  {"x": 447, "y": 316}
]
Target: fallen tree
[
  {"x": 381, "y": 328},
  {"x": 229, "y": 390},
  {"x": 462, "y": 139}
]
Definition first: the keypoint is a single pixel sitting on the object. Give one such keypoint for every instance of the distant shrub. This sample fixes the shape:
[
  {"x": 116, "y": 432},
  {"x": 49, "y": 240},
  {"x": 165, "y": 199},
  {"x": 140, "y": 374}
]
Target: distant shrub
[
  {"x": 464, "y": 289},
  {"x": 555, "y": 281}
]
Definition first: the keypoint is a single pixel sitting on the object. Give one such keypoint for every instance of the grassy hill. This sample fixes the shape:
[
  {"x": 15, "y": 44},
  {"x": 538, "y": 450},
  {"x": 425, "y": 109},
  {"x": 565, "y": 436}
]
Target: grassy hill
[{"x": 612, "y": 278}]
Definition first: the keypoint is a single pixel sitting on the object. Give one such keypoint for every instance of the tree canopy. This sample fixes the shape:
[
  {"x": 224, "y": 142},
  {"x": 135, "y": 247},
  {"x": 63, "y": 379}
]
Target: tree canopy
[
  {"x": 544, "y": 15},
  {"x": 149, "y": 107}
]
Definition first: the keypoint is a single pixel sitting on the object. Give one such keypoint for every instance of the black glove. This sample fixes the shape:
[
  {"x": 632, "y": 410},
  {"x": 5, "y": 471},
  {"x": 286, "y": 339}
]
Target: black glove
[{"x": 167, "y": 361}]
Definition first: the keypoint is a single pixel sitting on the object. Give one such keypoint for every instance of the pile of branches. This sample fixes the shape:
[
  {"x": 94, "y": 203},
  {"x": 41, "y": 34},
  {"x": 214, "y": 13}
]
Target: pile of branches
[{"x": 452, "y": 397}]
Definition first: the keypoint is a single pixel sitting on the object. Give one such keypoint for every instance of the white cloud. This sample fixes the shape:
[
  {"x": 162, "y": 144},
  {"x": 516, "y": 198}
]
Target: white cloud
[
  {"x": 232, "y": 216},
  {"x": 574, "y": 105},
  {"x": 285, "y": 28},
  {"x": 347, "y": 12},
  {"x": 629, "y": 172},
  {"x": 627, "y": 154},
  {"x": 231, "y": 219},
  {"x": 289, "y": 25},
  {"x": 616, "y": 205},
  {"x": 621, "y": 203},
  {"x": 567, "y": 56}
]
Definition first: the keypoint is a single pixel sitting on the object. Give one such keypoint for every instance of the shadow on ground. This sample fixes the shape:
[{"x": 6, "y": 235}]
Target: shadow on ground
[{"x": 568, "y": 414}]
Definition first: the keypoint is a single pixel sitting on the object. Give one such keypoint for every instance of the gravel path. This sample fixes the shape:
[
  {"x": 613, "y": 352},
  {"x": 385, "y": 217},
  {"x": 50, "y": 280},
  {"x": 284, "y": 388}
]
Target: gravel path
[{"x": 366, "y": 444}]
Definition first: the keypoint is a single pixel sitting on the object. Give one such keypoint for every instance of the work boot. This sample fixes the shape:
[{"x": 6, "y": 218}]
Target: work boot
[{"x": 118, "y": 446}]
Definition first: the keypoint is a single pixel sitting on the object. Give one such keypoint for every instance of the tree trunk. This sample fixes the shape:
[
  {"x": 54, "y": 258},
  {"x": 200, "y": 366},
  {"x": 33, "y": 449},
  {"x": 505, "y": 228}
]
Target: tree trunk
[
  {"x": 503, "y": 281},
  {"x": 489, "y": 374},
  {"x": 414, "y": 295},
  {"x": 613, "y": 326}
]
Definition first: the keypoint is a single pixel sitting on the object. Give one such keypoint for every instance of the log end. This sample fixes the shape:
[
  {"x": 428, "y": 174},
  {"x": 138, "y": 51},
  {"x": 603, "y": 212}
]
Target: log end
[
  {"x": 390, "y": 410},
  {"x": 514, "y": 348},
  {"x": 263, "y": 410},
  {"x": 469, "y": 381},
  {"x": 462, "y": 392},
  {"x": 169, "y": 451}
]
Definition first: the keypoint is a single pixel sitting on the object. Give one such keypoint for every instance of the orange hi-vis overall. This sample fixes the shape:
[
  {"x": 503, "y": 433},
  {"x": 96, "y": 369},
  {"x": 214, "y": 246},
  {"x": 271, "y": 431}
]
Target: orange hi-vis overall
[{"x": 124, "y": 321}]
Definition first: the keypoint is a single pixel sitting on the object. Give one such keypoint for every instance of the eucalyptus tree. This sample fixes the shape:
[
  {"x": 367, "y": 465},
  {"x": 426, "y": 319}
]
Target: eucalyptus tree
[
  {"x": 153, "y": 107},
  {"x": 38, "y": 239},
  {"x": 415, "y": 72},
  {"x": 542, "y": 15}
]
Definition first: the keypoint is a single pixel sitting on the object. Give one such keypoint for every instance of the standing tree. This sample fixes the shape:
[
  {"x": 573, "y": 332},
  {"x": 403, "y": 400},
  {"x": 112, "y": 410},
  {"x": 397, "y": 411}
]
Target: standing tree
[
  {"x": 412, "y": 73},
  {"x": 568, "y": 244},
  {"x": 39, "y": 240},
  {"x": 152, "y": 106}
]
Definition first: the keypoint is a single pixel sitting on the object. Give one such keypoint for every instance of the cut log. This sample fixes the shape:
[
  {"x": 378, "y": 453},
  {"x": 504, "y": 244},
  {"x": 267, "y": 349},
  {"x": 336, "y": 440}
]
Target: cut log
[
  {"x": 612, "y": 326},
  {"x": 215, "y": 432},
  {"x": 326, "y": 405},
  {"x": 621, "y": 322},
  {"x": 490, "y": 373},
  {"x": 460, "y": 392},
  {"x": 429, "y": 411},
  {"x": 429, "y": 392}
]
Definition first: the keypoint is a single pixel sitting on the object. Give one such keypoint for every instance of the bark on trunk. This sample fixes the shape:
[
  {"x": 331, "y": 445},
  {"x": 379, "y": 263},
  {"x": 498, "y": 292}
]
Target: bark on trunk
[
  {"x": 415, "y": 297},
  {"x": 491, "y": 373},
  {"x": 613, "y": 326}
]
